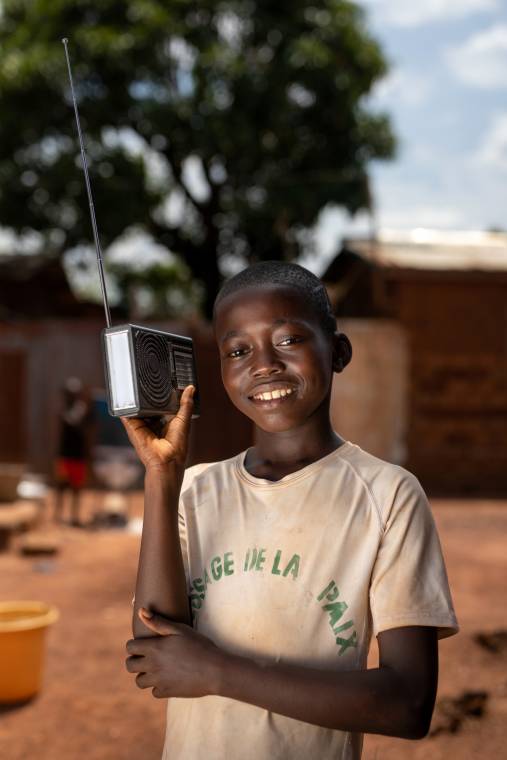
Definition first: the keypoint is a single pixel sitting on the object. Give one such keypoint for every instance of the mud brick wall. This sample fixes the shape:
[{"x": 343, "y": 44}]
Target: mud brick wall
[{"x": 456, "y": 325}]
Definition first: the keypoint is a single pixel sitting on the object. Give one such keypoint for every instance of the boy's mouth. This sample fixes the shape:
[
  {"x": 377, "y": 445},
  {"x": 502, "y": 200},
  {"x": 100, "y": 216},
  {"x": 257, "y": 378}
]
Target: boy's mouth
[{"x": 272, "y": 396}]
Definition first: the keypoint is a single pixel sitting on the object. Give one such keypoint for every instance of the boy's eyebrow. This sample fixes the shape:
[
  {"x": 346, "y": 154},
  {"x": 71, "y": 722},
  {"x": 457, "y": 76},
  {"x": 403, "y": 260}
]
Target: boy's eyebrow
[
  {"x": 231, "y": 334},
  {"x": 276, "y": 323},
  {"x": 291, "y": 321}
]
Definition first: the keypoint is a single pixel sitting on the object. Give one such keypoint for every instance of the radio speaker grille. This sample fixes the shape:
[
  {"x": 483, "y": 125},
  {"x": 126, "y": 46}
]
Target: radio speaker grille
[
  {"x": 184, "y": 368},
  {"x": 154, "y": 369}
]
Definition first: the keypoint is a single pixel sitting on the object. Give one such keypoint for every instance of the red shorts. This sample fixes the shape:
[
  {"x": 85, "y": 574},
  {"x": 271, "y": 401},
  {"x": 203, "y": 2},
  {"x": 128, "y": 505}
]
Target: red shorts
[{"x": 72, "y": 471}]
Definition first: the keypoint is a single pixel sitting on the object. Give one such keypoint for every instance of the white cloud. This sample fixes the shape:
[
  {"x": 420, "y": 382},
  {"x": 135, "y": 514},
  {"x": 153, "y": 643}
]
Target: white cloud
[
  {"x": 492, "y": 152},
  {"x": 403, "y": 87},
  {"x": 332, "y": 226},
  {"x": 421, "y": 215},
  {"x": 482, "y": 59},
  {"x": 405, "y": 13}
]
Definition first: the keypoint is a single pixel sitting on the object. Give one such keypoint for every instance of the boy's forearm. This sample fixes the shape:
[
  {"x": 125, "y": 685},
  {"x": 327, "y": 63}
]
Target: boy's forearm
[
  {"x": 370, "y": 701},
  {"x": 161, "y": 584}
]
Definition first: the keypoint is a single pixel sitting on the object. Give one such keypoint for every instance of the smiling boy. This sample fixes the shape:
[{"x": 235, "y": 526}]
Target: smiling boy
[{"x": 292, "y": 554}]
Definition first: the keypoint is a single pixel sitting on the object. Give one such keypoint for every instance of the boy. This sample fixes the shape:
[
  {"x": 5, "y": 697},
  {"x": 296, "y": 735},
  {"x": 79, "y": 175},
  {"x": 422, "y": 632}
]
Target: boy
[{"x": 292, "y": 554}]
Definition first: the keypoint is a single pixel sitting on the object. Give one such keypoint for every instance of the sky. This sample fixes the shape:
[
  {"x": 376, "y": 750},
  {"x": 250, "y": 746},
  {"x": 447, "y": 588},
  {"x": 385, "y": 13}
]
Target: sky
[{"x": 447, "y": 96}]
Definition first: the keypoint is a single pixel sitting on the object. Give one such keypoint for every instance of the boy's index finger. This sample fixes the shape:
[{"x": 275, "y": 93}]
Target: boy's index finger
[
  {"x": 132, "y": 646},
  {"x": 137, "y": 427},
  {"x": 136, "y": 646}
]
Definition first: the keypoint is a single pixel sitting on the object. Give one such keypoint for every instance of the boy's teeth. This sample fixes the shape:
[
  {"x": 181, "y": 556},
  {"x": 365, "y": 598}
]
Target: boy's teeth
[{"x": 268, "y": 395}]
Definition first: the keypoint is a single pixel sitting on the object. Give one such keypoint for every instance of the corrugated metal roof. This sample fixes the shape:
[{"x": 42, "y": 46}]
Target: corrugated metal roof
[{"x": 435, "y": 249}]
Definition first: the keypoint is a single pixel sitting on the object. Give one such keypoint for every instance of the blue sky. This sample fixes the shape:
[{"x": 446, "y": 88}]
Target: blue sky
[{"x": 446, "y": 94}]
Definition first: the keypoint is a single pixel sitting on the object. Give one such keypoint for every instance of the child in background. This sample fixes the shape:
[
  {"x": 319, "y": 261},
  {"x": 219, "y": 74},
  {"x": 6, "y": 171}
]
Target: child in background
[
  {"x": 292, "y": 555},
  {"x": 71, "y": 461}
]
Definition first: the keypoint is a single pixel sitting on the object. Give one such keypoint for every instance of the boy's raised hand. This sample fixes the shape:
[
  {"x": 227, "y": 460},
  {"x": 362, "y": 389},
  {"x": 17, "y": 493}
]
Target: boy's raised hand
[{"x": 170, "y": 446}]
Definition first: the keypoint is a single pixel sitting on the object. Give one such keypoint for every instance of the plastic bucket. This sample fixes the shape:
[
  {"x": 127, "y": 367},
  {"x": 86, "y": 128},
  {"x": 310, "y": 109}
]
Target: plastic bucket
[{"x": 22, "y": 633}]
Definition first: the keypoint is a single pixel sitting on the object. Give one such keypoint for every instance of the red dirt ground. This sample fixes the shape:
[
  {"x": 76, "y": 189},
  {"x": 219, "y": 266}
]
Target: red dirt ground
[{"x": 90, "y": 708}]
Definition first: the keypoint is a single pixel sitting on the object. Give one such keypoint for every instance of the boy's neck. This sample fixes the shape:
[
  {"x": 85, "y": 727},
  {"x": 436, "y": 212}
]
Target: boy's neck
[{"x": 275, "y": 455}]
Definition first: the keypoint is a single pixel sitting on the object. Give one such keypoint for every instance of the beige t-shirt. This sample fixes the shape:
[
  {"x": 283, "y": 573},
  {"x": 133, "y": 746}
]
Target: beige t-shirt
[{"x": 302, "y": 570}]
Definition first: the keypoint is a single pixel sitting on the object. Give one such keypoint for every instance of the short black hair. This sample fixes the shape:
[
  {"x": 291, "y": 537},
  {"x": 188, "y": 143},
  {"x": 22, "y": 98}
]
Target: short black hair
[{"x": 288, "y": 275}]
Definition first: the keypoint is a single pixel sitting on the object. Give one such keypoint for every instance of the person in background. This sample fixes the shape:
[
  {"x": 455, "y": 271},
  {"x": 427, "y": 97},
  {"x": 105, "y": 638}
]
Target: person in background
[{"x": 72, "y": 455}]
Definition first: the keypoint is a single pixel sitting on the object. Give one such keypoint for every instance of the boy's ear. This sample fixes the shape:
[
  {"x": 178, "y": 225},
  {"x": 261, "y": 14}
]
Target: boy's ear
[{"x": 342, "y": 352}]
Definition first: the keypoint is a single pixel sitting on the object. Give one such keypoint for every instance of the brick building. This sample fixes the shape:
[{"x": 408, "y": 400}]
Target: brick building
[{"x": 448, "y": 291}]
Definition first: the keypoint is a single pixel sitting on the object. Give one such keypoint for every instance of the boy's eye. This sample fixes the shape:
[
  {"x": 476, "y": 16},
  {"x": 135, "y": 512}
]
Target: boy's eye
[
  {"x": 288, "y": 340},
  {"x": 236, "y": 353}
]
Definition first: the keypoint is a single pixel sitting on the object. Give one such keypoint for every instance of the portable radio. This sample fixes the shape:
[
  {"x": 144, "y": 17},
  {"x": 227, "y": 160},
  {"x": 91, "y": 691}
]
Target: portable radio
[{"x": 146, "y": 369}]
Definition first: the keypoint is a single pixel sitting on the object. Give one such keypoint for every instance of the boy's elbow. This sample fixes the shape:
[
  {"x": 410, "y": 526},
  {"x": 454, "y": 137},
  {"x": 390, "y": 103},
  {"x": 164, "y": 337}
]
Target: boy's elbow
[
  {"x": 415, "y": 730},
  {"x": 416, "y": 720}
]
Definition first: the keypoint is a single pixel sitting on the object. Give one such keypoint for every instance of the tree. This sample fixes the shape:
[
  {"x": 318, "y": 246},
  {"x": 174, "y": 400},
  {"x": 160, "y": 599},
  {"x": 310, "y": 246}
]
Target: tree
[
  {"x": 157, "y": 290},
  {"x": 221, "y": 127}
]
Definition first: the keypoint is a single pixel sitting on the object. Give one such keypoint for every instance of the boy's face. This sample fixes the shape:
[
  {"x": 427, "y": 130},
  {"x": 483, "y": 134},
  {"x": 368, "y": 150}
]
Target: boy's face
[{"x": 277, "y": 361}]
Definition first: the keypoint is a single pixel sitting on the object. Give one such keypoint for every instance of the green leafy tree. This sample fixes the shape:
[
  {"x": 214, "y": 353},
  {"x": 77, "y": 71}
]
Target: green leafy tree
[
  {"x": 157, "y": 291},
  {"x": 222, "y": 127}
]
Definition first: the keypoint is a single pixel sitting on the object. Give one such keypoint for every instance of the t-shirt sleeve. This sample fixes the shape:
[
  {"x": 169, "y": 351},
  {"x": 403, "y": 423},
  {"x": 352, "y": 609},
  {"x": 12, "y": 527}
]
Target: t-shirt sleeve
[
  {"x": 409, "y": 583},
  {"x": 187, "y": 498},
  {"x": 182, "y": 525}
]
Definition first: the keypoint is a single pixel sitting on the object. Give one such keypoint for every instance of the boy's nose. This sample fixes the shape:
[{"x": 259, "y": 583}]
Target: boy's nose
[{"x": 266, "y": 363}]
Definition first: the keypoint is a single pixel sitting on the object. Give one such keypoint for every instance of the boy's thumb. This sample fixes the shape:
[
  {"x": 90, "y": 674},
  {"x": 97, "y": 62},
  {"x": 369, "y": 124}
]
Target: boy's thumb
[{"x": 158, "y": 623}]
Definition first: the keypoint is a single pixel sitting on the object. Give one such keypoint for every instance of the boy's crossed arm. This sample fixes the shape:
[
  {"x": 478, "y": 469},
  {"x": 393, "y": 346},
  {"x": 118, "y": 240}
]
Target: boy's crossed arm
[{"x": 395, "y": 699}]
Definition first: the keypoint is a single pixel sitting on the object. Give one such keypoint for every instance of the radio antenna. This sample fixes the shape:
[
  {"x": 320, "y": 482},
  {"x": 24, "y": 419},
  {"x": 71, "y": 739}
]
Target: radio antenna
[{"x": 89, "y": 191}]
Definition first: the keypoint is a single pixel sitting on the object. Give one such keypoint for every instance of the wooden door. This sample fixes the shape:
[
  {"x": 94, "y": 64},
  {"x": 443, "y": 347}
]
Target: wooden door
[{"x": 12, "y": 406}]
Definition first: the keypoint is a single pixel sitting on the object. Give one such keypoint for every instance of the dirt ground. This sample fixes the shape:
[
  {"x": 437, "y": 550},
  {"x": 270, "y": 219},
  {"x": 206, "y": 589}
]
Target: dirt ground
[{"x": 90, "y": 708}]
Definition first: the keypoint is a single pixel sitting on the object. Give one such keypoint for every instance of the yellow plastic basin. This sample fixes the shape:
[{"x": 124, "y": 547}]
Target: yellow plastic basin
[{"x": 22, "y": 633}]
